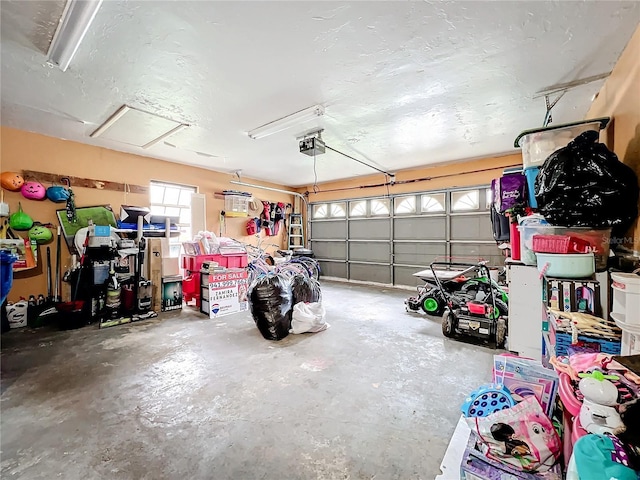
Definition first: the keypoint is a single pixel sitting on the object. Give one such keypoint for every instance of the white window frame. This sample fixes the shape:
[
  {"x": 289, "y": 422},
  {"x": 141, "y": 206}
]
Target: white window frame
[{"x": 184, "y": 227}]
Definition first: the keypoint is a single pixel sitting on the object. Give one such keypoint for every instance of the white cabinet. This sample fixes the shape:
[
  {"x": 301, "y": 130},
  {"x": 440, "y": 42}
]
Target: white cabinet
[{"x": 526, "y": 310}]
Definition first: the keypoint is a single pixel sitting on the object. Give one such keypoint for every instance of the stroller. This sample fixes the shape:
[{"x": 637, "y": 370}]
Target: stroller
[{"x": 469, "y": 280}]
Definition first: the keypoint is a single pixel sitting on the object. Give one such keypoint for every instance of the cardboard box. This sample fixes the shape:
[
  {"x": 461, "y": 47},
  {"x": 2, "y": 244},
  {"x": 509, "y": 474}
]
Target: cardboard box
[{"x": 154, "y": 262}]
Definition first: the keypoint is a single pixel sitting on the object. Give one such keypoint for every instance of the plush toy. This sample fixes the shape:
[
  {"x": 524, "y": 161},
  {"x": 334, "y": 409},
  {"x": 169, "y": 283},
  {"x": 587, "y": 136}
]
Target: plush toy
[
  {"x": 20, "y": 220},
  {"x": 11, "y": 181},
  {"x": 57, "y": 194},
  {"x": 33, "y": 191},
  {"x": 40, "y": 234}
]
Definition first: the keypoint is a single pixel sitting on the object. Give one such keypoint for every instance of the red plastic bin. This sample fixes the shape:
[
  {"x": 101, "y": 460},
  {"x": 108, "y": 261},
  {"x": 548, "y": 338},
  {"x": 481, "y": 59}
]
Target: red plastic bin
[
  {"x": 193, "y": 263},
  {"x": 560, "y": 244}
]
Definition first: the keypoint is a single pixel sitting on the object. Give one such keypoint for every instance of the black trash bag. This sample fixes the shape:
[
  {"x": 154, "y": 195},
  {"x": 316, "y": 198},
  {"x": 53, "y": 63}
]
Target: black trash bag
[
  {"x": 271, "y": 305},
  {"x": 305, "y": 289},
  {"x": 585, "y": 185}
]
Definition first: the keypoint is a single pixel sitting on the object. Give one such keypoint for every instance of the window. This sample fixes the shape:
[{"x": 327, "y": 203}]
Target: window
[
  {"x": 432, "y": 203},
  {"x": 339, "y": 209},
  {"x": 174, "y": 200},
  {"x": 489, "y": 198},
  {"x": 379, "y": 207},
  {"x": 465, "y": 200},
  {"x": 320, "y": 211},
  {"x": 405, "y": 204},
  {"x": 358, "y": 209}
]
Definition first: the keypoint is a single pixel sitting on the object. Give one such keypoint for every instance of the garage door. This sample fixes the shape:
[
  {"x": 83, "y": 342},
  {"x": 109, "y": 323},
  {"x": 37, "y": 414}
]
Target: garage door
[{"x": 386, "y": 240}]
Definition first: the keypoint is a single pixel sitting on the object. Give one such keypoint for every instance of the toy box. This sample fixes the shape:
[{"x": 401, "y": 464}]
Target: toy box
[{"x": 475, "y": 466}]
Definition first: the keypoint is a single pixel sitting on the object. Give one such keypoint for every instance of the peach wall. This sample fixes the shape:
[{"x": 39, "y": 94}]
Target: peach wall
[
  {"x": 620, "y": 98},
  {"x": 29, "y": 151},
  {"x": 461, "y": 174}
]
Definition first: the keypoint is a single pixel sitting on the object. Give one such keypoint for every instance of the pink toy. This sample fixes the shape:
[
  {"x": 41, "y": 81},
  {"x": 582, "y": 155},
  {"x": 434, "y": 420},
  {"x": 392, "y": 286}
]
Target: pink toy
[
  {"x": 33, "y": 191},
  {"x": 567, "y": 395}
]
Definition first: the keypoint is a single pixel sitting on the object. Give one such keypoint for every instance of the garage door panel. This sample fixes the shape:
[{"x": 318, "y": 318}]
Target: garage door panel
[
  {"x": 489, "y": 252},
  {"x": 371, "y": 229},
  {"x": 370, "y": 273},
  {"x": 332, "y": 229},
  {"x": 418, "y": 253},
  {"x": 333, "y": 269},
  {"x": 369, "y": 251},
  {"x": 471, "y": 227},
  {"x": 423, "y": 228},
  {"x": 404, "y": 276},
  {"x": 330, "y": 250}
]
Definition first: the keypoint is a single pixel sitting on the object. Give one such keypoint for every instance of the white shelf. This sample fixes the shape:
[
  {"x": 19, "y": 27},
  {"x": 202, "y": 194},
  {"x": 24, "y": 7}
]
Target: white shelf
[{"x": 620, "y": 319}]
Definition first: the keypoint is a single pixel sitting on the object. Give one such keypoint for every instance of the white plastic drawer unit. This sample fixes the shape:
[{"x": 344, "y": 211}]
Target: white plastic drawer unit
[{"x": 625, "y": 310}]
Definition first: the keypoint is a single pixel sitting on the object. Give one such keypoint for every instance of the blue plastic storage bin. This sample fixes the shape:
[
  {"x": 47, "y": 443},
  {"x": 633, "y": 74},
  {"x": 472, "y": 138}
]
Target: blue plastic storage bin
[
  {"x": 6, "y": 274},
  {"x": 531, "y": 173}
]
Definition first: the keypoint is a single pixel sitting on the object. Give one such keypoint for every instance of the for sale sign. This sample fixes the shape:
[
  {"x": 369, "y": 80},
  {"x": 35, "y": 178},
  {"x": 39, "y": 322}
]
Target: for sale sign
[{"x": 228, "y": 293}]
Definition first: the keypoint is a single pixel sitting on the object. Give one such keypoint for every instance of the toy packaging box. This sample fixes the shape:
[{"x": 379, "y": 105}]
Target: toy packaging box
[{"x": 476, "y": 466}]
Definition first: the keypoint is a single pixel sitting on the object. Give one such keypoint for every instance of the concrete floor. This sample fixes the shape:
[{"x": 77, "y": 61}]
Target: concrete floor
[{"x": 376, "y": 396}]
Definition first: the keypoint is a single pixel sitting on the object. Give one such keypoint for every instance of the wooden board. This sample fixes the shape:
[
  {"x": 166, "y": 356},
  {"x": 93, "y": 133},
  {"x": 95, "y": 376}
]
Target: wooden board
[
  {"x": 155, "y": 270},
  {"x": 84, "y": 182}
]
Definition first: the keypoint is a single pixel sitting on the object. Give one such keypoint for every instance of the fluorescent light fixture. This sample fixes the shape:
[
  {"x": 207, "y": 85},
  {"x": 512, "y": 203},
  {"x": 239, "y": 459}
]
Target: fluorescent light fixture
[
  {"x": 286, "y": 122},
  {"x": 110, "y": 121},
  {"x": 165, "y": 135},
  {"x": 74, "y": 24}
]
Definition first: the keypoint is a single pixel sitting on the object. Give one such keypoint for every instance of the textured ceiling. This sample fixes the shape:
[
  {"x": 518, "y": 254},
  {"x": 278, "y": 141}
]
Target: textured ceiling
[{"x": 404, "y": 83}]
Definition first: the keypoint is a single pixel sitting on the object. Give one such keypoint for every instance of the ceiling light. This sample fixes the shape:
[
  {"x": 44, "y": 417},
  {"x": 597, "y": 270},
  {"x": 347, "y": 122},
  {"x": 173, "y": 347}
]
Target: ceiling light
[
  {"x": 110, "y": 121},
  {"x": 286, "y": 122},
  {"x": 74, "y": 24},
  {"x": 165, "y": 135}
]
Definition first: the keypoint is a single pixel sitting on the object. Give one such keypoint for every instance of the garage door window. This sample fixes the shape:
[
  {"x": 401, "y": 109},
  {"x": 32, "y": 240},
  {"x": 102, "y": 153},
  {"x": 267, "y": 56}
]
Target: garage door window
[
  {"x": 465, "y": 200},
  {"x": 338, "y": 210},
  {"x": 405, "y": 205},
  {"x": 379, "y": 207},
  {"x": 320, "y": 211},
  {"x": 432, "y": 203},
  {"x": 489, "y": 198},
  {"x": 358, "y": 209}
]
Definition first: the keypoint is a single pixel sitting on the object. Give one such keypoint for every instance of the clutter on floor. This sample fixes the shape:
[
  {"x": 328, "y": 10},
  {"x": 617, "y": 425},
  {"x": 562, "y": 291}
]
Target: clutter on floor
[{"x": 566, "y": 405}]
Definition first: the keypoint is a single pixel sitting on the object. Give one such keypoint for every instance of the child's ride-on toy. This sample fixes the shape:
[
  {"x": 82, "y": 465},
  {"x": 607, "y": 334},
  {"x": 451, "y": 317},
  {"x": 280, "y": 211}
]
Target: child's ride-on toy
[{"x": 465, "y": 280}]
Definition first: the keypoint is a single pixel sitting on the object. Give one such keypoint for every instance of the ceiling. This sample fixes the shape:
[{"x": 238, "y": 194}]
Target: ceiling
[{"x": 404, "y": 84}]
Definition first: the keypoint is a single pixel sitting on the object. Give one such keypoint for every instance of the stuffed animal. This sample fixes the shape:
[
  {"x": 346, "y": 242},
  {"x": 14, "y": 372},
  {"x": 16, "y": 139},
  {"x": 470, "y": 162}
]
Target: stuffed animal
[
  {"x": 33, "y": 191},
  {"x": 40, "y": 234},
  {"x": 20, "y": 220},
  {"x": 11, "y": 181},
  {"x": 57, "y": 194}
]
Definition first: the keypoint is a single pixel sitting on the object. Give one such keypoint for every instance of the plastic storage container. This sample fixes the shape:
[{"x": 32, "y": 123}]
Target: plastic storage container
[
  {"x": 236, "y": 204},
  {"x": 571, "y": 265},
  {"x": 559, "y": 244},
  {"x": 625, "y": 309},
  {"x": 530, "y": 226},
  {"x": 537, "y": 144}
]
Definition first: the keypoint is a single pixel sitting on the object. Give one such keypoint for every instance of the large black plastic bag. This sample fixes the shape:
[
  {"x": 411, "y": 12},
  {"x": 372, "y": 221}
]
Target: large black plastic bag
[
  {"x": 305, "y": 289},
  {"x": 585, "y": 185},
  {"x": 271, "y": 306}
]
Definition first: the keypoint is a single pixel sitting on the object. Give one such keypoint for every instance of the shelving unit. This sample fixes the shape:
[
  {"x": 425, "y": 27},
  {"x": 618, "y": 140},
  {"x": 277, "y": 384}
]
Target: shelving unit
[{"x": 626, "y": 310}]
